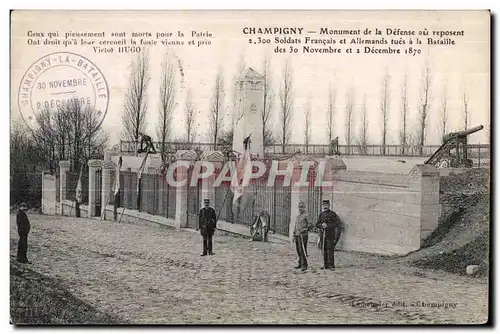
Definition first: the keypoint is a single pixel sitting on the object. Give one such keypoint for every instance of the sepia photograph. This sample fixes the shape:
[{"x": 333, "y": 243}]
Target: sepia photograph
[{"x": 250, "y": 167}]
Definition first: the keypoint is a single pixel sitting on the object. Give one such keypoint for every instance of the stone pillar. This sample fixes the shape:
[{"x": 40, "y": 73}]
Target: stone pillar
[
  {"x": 250, "y": 99},
  {"x": 184, "y": 159},
  {"x": 63, "y": 168},
  {"x": 425, "y": 180},
  {"x": 332, "y": 165},
  {"x": 107, "y": 167},
  {"x": 216, "y": 158},
  {"x": 94, "y": 165}
]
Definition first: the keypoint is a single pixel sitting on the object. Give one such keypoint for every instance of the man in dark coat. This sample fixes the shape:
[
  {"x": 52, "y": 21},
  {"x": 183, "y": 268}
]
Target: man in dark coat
[
  {"x": 207, "y": 221},
  {"x": 23, "y": 228},
  {"x": 330, "y": 227}
]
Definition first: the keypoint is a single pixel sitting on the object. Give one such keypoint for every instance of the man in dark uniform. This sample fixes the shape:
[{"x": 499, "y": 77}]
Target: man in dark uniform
[
  {"x": 330, "y": 226},
  {"x": 23, "y": 228},
  {"x": 149, "y": 147},
  {"x": 207, "y": 224}
]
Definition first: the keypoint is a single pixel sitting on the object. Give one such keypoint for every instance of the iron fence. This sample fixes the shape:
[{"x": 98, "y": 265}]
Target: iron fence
[
  {"x": 167, "y": 198},
  {"x": 276, "y": 200},
  {"x": 128, "y": 195},
  {"x": 149, "y": 193},
  {"x": 193, "y": 201}
]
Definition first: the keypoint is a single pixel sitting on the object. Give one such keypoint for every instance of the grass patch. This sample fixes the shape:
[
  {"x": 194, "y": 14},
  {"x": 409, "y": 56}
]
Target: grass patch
[{"x": 37, "y": 299}]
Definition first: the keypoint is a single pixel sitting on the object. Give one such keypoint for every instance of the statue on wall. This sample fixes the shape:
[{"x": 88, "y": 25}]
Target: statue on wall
[{"x": 334, "y": 146}]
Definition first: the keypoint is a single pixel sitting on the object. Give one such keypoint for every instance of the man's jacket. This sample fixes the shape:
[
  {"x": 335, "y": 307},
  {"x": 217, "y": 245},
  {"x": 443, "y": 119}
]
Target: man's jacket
[
  {"x": 23, "y": 223},
  {"x": 207, "y": 220},
  {"x": 333, "y": 225}
]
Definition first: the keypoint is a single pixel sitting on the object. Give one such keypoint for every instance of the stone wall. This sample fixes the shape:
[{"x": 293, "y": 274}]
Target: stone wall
[
  {"x": 386, "y": 213},
  {"x": 67, "y": 208}
]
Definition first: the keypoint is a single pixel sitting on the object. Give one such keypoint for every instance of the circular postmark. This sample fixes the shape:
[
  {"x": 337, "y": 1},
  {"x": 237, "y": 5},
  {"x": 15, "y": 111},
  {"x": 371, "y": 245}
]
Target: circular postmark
[{"x": 58, "y": 80}]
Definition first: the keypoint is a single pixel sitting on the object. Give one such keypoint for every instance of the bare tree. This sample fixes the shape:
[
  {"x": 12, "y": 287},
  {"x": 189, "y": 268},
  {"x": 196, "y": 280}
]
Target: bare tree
[
  {"x": 307, "y": 123},
  {"x": 167, "y": 103},
  {"x": 349, "y": 110},
  {"x": 268, "y": 100},
  {"x": 465, "y": 110},
  {"x": 403, "y": 130},
  {"x": 425, "y": 100},
  {"x": 217, "y": 109},
  {"x": 95, "y": 139},
  {"x": 190, "y": 116},
  {"x": 70, "y": 133},
  {"x": 332, "y": 99},
  {"x": 384, "y": 108},
  {"x": 25, "y": 159},
  {"x": 45, "y": 135},
  {"x": 363, "y": 129},
  {"x": 135, "y": 109},
  {"x": 286, "y": 107},
  {"x": 444, "y": 113}
]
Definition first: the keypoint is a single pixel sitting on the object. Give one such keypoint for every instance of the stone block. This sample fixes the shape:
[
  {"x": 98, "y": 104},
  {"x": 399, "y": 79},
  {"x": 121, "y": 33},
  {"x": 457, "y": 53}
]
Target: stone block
[{"x": 472, "y": 269}]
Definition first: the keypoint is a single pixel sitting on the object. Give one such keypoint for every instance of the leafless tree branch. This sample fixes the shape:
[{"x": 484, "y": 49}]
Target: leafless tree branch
[
  {"x": 287, "y": 101},
  {"x": 135, "y": 108}
]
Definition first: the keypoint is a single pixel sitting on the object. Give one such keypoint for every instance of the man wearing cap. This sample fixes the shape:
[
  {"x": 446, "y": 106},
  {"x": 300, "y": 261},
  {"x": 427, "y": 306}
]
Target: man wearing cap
[
  {"x": 207, "y": 221},
  {"x": 303, "y": 225},
  {"x": 23, "y": 228},
  {"x": 330, "y": 226}
]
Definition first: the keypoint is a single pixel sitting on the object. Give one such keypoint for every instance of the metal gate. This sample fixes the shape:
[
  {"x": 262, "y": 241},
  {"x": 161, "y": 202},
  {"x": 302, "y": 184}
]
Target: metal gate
[
  {"x": 282, "y": 202},
  {"x": 193, "y": 201},
  {"x": 168, "y": 198},
  {"x": 128, "y": 192},
  {"x": 98, "y": 192},
  {"x": 223, "y": 202}
]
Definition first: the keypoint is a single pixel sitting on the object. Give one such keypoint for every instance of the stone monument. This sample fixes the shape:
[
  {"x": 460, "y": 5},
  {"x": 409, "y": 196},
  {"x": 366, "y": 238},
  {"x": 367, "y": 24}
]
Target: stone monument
[{"x": 247, "y": 115}]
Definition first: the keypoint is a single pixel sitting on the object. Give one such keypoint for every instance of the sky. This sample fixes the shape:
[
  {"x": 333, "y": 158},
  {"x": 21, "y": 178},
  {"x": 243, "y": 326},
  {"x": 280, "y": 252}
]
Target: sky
[{"x": 462, "y": 67}]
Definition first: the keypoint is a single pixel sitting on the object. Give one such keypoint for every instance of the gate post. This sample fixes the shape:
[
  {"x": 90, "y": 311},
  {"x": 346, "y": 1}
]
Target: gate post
[
  {"x": 63, "y": 168},
  {"x": 107, "y": 167},
  {"x": 207, "y": 184},
  {"x": 94, "y": 165},
  {"x": 184, "y": 159}
]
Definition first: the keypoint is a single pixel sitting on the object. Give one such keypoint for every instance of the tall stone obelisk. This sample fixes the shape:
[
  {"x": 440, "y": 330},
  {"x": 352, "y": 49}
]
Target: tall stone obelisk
[{"x": 247, "y": 114}]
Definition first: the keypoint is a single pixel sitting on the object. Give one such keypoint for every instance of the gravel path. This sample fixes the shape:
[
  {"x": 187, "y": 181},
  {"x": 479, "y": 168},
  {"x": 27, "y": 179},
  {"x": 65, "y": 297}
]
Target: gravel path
[{"x": 151, "y": 274}]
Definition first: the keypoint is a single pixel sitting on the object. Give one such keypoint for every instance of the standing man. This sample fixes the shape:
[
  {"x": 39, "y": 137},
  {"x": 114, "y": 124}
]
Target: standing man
[
  {"x": 303, "y": 225},
  {"x": 207, "y": 221},
  {"x": 330, "y": 226},
  {"x": 23, "y": 228}
]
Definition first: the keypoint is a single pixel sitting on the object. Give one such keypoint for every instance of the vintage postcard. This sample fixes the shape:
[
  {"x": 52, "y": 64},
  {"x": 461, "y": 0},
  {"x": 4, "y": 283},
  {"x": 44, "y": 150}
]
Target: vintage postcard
[{"x": 250, "y": 167}]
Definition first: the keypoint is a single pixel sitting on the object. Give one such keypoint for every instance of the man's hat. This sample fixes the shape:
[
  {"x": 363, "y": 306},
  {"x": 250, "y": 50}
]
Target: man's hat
[
  {"x": 206, "y": 201},
  {"x": 22, "y": 206},
  {"x": 326, "y": 202}
]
